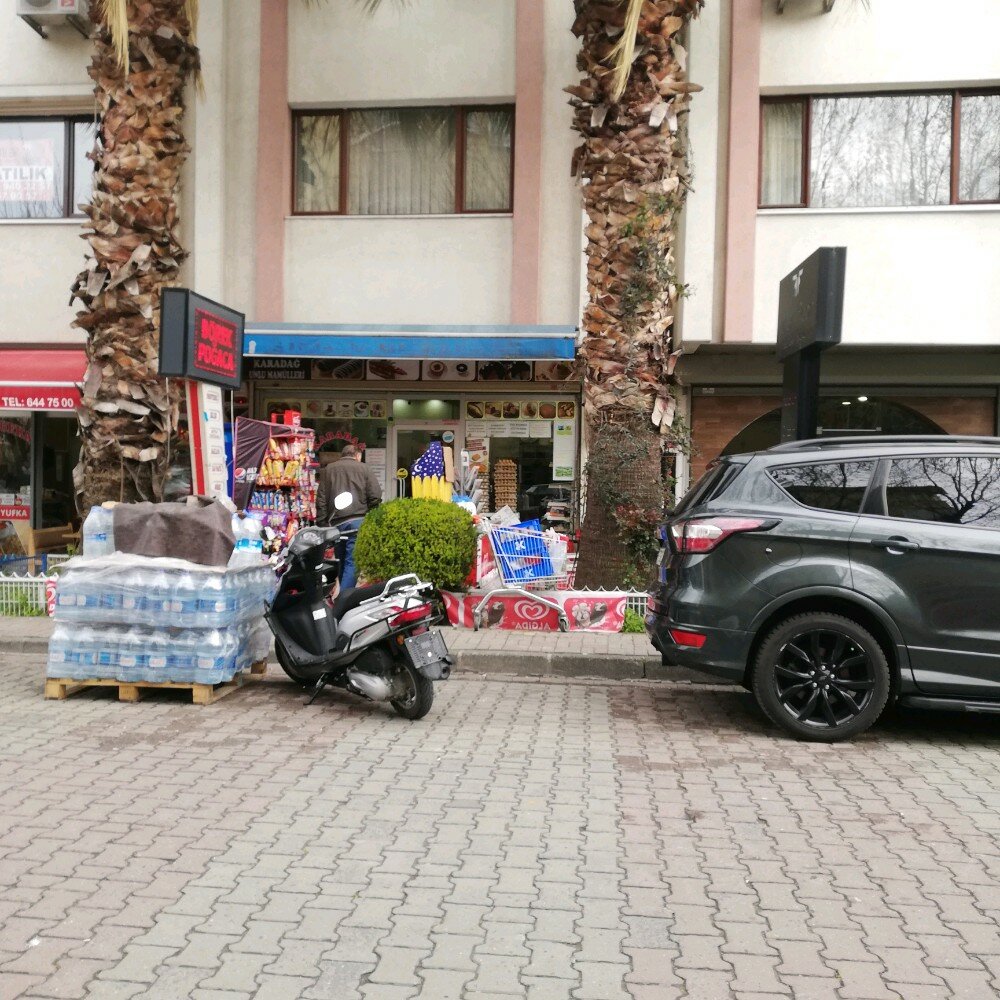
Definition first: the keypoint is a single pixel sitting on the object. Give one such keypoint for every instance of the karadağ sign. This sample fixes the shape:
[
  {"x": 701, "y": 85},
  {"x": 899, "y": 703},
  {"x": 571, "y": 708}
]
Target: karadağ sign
[{"x": 200, "y": 339}]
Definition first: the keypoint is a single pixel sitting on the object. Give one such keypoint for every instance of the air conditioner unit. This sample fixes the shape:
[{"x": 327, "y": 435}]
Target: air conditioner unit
[{"x": 44, "y": 14}]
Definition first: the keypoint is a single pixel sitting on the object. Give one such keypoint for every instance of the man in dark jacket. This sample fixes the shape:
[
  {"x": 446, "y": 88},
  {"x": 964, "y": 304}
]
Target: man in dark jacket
[{"x": 347, "y": 475}]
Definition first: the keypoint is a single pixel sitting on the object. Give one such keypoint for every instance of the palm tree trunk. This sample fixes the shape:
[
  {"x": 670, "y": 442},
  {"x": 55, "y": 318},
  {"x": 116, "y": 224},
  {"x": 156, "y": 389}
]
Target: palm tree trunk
[
  {"x": 634, "y": 175},
  {"x": 128, "y": 413}
]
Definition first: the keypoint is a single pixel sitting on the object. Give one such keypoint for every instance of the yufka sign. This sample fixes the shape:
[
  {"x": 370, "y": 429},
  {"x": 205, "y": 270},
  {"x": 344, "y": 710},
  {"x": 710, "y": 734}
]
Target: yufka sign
[{"x": 200, "y": 339}]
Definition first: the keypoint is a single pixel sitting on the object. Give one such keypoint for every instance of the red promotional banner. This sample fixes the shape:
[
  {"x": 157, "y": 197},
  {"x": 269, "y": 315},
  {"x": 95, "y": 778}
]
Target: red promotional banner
[
  {"x": 587, "y": 611},
  {"x": 215, "y": 345},
  {"x": 15, "y": 512}
]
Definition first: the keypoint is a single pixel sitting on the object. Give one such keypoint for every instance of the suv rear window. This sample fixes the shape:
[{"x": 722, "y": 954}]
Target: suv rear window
[
  {"x": 826, "y": 485},
  {"x": 953, "y": 490},
  {"x": 717, "y": 477}
]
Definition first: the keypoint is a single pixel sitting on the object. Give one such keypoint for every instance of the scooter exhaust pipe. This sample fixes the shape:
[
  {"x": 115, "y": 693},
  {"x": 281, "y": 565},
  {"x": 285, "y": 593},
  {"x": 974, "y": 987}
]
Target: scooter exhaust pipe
[{"x": 369, "y": 686}]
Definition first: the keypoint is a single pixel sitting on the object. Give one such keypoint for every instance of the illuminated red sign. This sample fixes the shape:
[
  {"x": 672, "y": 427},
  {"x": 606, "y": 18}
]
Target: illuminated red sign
[
  {"x": 44, "y": 397},
  {"x": 200, "y": 339},
  {"x": 215, "y": 345}
]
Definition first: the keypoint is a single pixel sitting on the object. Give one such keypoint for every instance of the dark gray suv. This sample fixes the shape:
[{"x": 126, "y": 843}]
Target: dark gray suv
[{"x": 833, "y": 576}]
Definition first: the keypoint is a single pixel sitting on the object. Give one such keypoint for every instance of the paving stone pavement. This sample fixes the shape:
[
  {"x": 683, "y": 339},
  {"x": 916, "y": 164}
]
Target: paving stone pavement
[{"x": 544, "y": 839}]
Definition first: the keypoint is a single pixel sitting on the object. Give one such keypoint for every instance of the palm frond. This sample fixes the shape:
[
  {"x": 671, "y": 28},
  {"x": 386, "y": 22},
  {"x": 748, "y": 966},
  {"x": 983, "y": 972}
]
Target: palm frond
[
  {"x": 624, "y": 50},
  {"x": 191, "y": 12},
  {"x": 370, "y": 6},
  {"x": 116, "y": 17}
]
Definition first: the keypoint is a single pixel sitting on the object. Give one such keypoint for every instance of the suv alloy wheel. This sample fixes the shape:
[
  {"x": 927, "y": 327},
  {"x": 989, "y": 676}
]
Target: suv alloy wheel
[{"x": 821, "y": 677}]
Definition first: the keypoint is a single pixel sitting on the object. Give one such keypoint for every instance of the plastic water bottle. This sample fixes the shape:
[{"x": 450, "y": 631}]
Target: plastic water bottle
[
  {"x": 180, "y": 656},
  {"x": 87, "y": 648},
  {"x": 98, "y": 533},
  {"x": 157, "y": 643},
  {"x": 106, "y": 645},
  {"x": 134, "y": 584},
  {"x": 131, "y": 655},
  {"x": 62, "y": 653},
  {"x": 184, "y": 599}
]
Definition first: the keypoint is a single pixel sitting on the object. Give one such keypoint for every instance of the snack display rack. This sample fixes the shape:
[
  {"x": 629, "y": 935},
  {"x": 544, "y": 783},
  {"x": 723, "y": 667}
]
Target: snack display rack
[{"x": 284, "y": 494}]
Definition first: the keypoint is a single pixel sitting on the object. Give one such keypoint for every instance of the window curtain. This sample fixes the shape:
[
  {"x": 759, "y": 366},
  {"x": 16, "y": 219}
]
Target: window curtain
[
  {"x": 488, "y": 137},
  {"x": 781, "y": 161},
  {"x": 402, "y": 161},
  {"x": 317, "y": 187}
]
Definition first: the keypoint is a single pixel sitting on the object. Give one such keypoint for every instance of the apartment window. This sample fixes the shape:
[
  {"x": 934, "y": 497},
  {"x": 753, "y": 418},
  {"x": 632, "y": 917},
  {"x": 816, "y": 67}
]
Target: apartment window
[
  {"x": 44, "y": 170},
  {"x": 404, "y": 161},
  {"x": 880, "y": 150}
]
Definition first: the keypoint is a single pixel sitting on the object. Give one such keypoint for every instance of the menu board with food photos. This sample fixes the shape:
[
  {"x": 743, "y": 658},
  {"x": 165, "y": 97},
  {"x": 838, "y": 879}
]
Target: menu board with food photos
[
  {"x": 521, "y": 409},
  {"x": 448, "y": 371},
  {"x": 392, "y": 371},
  {"x": 504, "y": 371},
  {"x": 337, "y": 409}
]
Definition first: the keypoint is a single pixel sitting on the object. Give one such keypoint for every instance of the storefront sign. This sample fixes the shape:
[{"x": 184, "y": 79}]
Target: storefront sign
[
  {"x": 15, "y": 511},
  {"x": 200, "y": 339},
  {"x": 280, "y": 369},
  {"x": 38, "y": 398},
  {"x": 563, "y": 451}
]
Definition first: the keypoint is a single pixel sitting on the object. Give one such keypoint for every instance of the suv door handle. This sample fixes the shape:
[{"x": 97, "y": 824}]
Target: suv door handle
[{"x": 895, "y": 544}]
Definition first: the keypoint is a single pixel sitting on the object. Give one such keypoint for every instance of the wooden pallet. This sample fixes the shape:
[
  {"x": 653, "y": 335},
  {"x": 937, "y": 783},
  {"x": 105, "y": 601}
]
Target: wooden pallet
[{"x": 201, "y": 694}]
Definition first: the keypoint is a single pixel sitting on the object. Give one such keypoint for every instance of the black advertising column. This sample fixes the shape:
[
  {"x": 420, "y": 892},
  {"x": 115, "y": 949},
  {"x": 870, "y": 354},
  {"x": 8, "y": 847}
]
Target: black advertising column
[{"x": 810, "y": 319}]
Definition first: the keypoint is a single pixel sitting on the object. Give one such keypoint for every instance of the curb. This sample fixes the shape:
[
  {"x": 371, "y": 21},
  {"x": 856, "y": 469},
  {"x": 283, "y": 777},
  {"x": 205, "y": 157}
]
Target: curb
[{"x": 519, "y": 664}]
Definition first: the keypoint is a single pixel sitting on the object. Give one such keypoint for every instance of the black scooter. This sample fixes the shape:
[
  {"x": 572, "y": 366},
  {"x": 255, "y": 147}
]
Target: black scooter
[{"x": 374, "y": 641}]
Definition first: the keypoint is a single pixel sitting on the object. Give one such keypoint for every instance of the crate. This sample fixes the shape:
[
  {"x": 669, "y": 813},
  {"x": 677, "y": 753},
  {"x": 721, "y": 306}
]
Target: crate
[{"x": 59, "y": 689}]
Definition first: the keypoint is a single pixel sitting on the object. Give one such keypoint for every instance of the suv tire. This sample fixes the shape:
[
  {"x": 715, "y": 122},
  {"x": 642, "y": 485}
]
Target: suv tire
[{"x": 821, "y": 677}]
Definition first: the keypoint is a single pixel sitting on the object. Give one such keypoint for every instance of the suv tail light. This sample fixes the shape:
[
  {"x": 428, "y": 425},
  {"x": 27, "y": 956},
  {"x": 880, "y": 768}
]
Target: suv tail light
[{"x": 706, "y": 533}]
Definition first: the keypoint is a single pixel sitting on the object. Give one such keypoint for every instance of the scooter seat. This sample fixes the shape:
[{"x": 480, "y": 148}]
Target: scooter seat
[{"x": 348, "y": 600}]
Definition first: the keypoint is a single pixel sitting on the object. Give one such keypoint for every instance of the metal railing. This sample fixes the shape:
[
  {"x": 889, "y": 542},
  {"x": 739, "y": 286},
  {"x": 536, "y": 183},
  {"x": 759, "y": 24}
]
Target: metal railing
[{"x": 22, "y": 596}]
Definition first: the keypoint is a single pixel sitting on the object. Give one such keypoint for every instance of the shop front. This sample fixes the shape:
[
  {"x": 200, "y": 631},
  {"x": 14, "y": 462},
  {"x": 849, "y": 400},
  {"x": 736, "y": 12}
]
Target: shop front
[
  {"x": 39, "y": 393},
  {"x": 514, "y": 410}
]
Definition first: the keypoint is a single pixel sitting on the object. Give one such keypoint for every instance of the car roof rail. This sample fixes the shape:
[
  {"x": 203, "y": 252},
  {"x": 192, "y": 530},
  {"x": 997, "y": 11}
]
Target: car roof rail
[{"x": 821, "y": 444}]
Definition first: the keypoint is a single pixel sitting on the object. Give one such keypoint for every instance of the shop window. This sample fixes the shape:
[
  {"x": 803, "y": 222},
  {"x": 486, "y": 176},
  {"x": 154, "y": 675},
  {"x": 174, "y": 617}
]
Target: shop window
[
  {"x": 60, "y": 450},
  {"x": 404, "y": 161},
  {"x": 838, "y": 417},
  {"x": 880, "y": 150},
  {"x": 15, "y": 469},
  {"x": 44, "y": 170}
]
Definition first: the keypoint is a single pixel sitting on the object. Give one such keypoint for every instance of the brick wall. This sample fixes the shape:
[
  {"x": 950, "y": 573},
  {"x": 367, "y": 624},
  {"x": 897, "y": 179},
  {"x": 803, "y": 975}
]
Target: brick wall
[
  {"x": 716, "y": 420},
  {"x": 955, "y": 414}
]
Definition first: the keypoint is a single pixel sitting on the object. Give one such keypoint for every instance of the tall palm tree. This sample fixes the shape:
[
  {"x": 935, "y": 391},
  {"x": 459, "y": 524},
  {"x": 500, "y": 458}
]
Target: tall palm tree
[
  {"x": 630, "y": 109},
  {"x": 144, "y": 54}
]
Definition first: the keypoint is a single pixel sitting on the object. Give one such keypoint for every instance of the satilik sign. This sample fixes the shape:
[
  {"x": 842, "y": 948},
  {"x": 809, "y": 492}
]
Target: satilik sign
[{"x": 200, "y": 339}]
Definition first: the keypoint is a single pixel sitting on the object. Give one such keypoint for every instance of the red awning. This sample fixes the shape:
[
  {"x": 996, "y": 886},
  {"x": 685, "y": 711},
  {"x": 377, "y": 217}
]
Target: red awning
[{"x": 41, "y": 378}]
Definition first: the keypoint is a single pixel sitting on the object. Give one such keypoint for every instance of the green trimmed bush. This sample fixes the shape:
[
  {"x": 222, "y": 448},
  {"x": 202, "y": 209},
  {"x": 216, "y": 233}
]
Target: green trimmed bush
[
  {"x": 634, "y": 622},
  {"x": 434, "y": 539}
]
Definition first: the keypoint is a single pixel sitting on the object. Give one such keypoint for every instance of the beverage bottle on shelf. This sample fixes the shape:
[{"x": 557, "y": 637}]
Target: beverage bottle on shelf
[{"x": 98, "y": 533}]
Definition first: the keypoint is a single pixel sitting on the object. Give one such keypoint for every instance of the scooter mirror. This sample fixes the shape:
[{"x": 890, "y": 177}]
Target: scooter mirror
[{"x": 343, "y": 500}]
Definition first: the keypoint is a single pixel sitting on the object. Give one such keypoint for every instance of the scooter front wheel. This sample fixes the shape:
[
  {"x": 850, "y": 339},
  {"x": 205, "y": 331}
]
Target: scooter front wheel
[{"x": 416, "y": 692}]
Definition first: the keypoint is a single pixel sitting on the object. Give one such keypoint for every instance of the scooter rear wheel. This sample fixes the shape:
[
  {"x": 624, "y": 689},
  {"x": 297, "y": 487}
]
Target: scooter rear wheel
[
  {"x": 416, "y": 702},
  {"x": 289, "y": 667}
]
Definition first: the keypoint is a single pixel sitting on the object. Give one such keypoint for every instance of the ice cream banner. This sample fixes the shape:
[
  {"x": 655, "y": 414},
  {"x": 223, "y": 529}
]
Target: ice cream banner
[{"x": 587, "y": 611}]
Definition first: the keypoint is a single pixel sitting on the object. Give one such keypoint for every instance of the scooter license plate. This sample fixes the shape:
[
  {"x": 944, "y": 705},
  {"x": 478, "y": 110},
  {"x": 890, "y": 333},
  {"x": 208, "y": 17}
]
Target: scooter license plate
[{"x": 426, "y": 648}]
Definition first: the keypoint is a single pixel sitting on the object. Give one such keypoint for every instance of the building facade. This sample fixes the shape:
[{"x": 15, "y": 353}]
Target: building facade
[{"x": 388, "y": 198}]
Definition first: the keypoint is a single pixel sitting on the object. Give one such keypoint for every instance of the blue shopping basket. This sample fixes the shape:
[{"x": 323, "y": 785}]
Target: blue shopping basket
[{"x": 521, "y": 552}]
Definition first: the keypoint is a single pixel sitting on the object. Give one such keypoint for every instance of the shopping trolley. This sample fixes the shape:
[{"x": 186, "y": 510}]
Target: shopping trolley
[{"x": 527, "y": 559}]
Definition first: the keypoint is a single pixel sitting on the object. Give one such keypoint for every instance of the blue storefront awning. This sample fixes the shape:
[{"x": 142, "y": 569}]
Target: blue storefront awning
[{"x": 407, "y": 342}]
